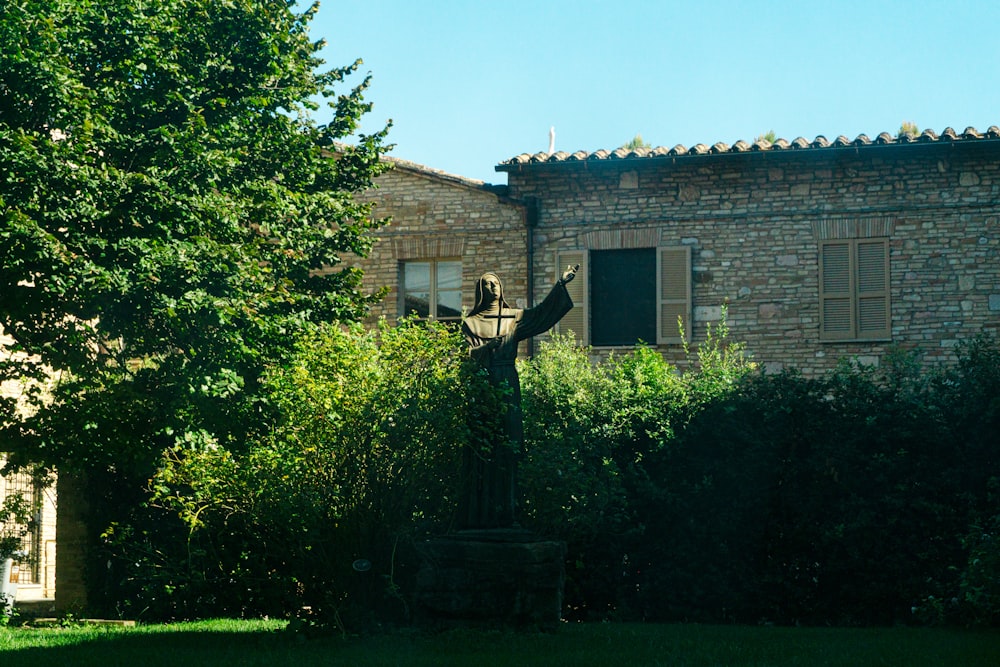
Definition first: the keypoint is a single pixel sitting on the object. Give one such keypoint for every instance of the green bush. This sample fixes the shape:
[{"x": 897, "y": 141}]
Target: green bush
[
  {"x": 719, "y": 494},
  {"x": 594, "y": 436},
  {"x": 364, "y": 455},
  {"x": 864, "y": 496}
]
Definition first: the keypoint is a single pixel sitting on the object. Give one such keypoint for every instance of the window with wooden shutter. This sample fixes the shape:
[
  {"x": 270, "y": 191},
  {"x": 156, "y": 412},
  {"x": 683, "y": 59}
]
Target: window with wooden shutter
[
  {"x": 577, "y": 319},
  {"x": 673, "y": 287},
  {"x": 623, "y": 296},
  {"x": 854, "y": 289}
]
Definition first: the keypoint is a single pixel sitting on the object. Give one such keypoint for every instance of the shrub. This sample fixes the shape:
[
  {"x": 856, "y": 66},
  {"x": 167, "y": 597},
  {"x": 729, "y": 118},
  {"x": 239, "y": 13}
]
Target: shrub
[
  {"x": 595, "y": 437},
  {"x": 364, "y": 455}
]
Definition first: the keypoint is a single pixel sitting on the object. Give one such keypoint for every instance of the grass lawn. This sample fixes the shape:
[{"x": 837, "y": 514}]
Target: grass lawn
[{"x": 238, "y": 643}]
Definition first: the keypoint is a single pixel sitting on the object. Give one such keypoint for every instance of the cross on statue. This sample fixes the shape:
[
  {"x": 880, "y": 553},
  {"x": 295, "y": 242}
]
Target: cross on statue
[{"x": 500, "y": 317}]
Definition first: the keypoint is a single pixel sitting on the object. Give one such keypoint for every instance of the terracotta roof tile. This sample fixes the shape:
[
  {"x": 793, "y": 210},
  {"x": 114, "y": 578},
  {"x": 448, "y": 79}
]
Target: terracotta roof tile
[{"x": 760, "y": 145}]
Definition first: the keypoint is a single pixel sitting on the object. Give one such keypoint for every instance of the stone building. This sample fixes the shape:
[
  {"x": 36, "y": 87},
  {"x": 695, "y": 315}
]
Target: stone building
[
  {"x": 446, "y": 231},
  {"x": 818, "y": 250}
]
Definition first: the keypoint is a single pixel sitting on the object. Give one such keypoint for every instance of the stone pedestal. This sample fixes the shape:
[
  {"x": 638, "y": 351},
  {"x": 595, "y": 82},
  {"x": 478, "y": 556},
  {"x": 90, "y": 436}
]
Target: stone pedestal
[{"x": 499, "y": 577}]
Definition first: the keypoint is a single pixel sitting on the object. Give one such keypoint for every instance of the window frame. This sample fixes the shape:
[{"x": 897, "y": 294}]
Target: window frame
[
  {"x": 434, "y": 289},
  {"x": 673, "y": 289},
  {"x": 854, "y": 290}
]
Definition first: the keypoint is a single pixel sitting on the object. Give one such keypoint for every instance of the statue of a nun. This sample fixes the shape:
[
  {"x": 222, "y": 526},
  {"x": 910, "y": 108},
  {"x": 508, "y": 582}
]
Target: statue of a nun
[{"x": 493, "y": 330}]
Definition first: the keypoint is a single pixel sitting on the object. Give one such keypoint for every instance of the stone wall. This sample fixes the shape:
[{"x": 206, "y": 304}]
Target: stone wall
[
  {"x": 753, "y": 222},
  {"x": 440, "y": 216}
]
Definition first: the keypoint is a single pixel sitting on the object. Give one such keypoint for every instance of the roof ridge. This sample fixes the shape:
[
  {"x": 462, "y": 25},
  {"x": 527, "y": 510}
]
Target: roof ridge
[{"x": 948, "y": 135}]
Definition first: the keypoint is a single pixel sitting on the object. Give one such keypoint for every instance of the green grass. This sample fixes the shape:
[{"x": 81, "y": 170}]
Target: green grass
[{"x": 249, "y": 643}]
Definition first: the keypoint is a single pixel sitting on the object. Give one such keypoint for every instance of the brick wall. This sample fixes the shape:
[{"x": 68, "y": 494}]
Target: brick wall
[
  {"x": 439, "y": 216},
  {"x": 753, "y": 222}
]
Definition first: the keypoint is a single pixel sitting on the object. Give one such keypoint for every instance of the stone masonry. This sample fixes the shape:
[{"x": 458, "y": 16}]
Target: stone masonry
[
  {"x": 440, "y": 216},
  {"x": 753, "y": 221}
]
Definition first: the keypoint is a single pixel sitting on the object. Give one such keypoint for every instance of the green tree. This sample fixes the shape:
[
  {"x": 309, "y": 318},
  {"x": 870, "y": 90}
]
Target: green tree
[{"x": 171, "y": 218}]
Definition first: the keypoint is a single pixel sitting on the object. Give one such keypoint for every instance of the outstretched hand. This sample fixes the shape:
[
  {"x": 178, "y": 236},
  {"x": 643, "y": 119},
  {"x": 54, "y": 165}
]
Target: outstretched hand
[{"x": 570, "y": 274}]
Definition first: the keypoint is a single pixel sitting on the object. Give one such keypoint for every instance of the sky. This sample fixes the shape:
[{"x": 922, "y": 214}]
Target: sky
[{"x": 469, "y": 84}]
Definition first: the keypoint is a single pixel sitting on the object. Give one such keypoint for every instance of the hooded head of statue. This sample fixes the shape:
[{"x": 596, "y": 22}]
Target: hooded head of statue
[{"x": 488, "y": 289}]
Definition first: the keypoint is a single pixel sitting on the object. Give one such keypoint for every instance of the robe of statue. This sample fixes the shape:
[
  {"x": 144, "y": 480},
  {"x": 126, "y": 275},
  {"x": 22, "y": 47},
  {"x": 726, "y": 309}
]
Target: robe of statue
[{"x": 489, "y": 495}]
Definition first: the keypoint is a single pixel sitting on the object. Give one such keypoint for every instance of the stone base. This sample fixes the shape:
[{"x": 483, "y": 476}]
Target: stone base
[{"x": 501, "y": 577}]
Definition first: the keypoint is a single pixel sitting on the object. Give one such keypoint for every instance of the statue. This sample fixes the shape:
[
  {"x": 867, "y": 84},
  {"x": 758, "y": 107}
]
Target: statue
[{"x": 492, "y": 331}]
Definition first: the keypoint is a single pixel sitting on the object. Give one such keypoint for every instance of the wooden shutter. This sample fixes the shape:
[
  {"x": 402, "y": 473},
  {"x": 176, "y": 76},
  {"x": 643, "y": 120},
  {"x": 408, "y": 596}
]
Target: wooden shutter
[
  {"x": 873, "y": 288},
  {"x": 836, "y": 314},
  {"x": 673, "y": 287},
  {"x": 854, "y": 289},
  {"x": 575, "y": 320}
]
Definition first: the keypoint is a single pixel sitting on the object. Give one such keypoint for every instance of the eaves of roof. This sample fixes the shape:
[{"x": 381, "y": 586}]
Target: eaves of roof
[
  {"x": 798, "y": 147},
  {"x": 434, "y": 174}
]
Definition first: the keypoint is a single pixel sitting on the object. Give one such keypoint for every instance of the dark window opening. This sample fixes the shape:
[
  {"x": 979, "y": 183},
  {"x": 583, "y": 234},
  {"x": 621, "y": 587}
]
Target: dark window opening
[{"x": 623, "y": 296}]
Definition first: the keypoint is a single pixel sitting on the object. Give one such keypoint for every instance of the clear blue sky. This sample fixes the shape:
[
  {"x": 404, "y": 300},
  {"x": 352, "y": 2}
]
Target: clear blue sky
[{"x": 471, "y": 83}]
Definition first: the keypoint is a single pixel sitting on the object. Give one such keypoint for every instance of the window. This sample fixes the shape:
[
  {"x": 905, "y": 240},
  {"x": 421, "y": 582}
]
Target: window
[
  {"x": 854, "y": 289},
  {"x": 431, "y": 289},
  {"x": 623, "y": 296},
  {"x": 23, "y": 483}
]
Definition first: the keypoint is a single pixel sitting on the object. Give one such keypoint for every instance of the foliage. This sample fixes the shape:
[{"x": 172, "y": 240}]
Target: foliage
[
  {"x": 971, "y": 399},
  {"x": 769, "y": 136},
  {"x": 365, "y": 455},
  {"x": 863, "y": 496},
  {"x": 15, "y": 522},
  {"x": 908, "y": 129},
  {"x": 171, "y": 218},
  {"x": 592, "y": 433},
  {"x": 636, "y": 143}
]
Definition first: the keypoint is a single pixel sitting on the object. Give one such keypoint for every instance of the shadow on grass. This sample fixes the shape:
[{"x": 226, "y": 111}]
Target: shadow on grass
[{"x": 577, "y": 645}]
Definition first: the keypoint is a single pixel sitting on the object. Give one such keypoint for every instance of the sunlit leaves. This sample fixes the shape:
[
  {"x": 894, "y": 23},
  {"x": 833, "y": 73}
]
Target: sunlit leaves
[{"x": 171, "y": 216}]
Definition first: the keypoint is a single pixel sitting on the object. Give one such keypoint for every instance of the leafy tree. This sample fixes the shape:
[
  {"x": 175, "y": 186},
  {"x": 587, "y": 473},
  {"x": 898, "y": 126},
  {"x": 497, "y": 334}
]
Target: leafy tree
[{"x": 171, "y": 217}]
